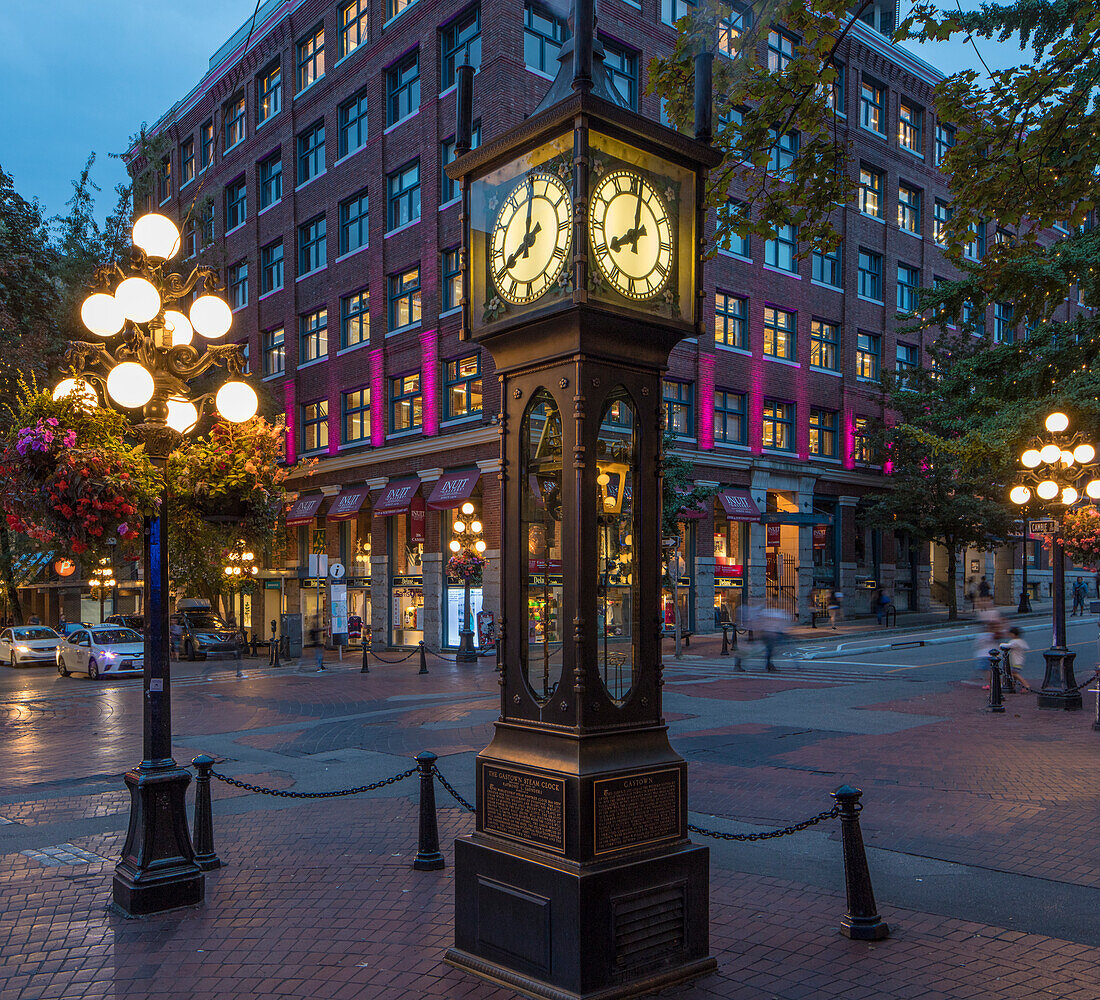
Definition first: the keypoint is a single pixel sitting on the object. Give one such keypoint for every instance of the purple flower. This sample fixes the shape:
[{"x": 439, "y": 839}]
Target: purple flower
[
  {"x": 123, "y": 528},
  {"x": 52, "y": 421},
  {"x": 69, "y": 439}
]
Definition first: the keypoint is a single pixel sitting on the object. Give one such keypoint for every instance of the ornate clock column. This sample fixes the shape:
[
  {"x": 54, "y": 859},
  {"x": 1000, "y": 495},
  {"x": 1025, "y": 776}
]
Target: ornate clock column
[{"x": 581, "y": 273}]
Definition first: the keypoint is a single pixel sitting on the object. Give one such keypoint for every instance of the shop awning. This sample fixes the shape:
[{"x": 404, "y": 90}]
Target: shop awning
[
  {"x": 738, "y": 505},
  {"x": 347, "y": 504},
  {"x": 690, "y": 513},
  {"x": 453, "y": 488},
  {"x": 304, "y": 509},
  {"x": 396, "y": 497}
]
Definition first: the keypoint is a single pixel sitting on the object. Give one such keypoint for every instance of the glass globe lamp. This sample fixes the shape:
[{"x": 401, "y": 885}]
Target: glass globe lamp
[
  {"x": 480, "y": 546},
  {"x": 454, "y": 546},
  {"x": 211, "y": 317},
  {"x": 179, "y": 326},
  {"x": 475, "y": 527},
  {"x": 138, "y": 299},
  {"x": 237, "y": 401},
  {"x": 157, "y": 235},
  {"x": 1084, "y": 453},
  {"x": 467, "y": 508},
  {"x": 460, "y": 526},
  {"x": 1020, "y": 494},
  {"x": 1031, "y": 458},
  {"x": 1057, "y": 422},
  {"x": 130, "y": 385},
  {"x": 182, "y": 414},
  {"x": 102, "y": 314},
  {"x": 1047, "y": 489},
  {"x": 1093, "y": 489},
  {"x": 1069, "y": 495},
  {"x": 79, "y": 391},
  {"x": 1050, "y": 453}
]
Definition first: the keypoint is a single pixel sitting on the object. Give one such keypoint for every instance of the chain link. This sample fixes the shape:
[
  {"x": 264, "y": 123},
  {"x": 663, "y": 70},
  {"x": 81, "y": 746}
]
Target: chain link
[
  {"x": 768, "y": 834},
  {"x": 382, "y": 659},
  {"x": 450, "y": 788},
  {"x": 282, "y": 793}
]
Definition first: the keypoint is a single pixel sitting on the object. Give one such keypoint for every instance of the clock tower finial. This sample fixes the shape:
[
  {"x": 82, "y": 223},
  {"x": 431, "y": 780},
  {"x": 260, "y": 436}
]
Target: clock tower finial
[{"x": 580, "y": 62}]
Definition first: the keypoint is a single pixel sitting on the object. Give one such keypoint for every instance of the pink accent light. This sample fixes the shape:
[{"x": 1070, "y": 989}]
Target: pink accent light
[
  {"x": 849, "y": 440},
  {"x": 706, "y": 401},
  {"x": 429, "y": 380},
  {"x": 291, "y": 409},
  {"x": 756, "y": 407},
  {"x": 377, "y": 398}
]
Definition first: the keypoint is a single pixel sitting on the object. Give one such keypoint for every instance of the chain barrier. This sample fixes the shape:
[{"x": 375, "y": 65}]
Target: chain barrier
[
  {"x": 382, "y": 659},
  {"x": 284, "y": 794},
  {"x": 768, "y": 834},
  {"x": 454, "y": 795}
]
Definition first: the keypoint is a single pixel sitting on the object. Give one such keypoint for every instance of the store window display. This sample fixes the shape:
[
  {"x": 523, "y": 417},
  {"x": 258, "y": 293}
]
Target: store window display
[
  {"x": 455, "y": 520},
  {"x": 406, "y": 581},
  {"x": 730, "y": 551}
]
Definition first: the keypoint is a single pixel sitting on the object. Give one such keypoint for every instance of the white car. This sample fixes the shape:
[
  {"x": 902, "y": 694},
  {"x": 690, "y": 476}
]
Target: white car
[
  {"x": 101, "y": 651},
  {"x": 28, "y": 645}
]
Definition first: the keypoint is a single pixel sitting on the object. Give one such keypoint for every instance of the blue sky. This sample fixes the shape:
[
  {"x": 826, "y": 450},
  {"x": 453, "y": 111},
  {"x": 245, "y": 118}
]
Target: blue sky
[{"x": 79, "y": 76}]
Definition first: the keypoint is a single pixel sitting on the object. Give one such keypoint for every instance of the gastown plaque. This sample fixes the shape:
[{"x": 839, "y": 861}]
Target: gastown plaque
[
  {"x": 524, "y": 806},
  {"x": 636, "y": 809}
]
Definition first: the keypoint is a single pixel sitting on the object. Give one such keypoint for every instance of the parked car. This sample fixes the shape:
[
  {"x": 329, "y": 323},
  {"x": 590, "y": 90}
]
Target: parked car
[
  {"x": 68, "y": 628},
  {"x": 101, "y": 651},
  {"x": 28, "y": 645},
  {"x": 136, "y": 622},
  {"x": 199, "y": 632}
]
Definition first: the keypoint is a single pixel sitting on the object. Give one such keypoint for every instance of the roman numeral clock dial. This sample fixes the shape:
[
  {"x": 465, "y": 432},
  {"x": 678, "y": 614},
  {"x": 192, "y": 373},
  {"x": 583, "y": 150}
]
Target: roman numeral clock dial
[
  {"x": 531, "y": 238},
  {"x": 631, "y": 234}
]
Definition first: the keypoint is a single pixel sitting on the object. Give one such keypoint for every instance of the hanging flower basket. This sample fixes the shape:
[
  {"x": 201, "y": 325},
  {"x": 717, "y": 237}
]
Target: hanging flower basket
[
  {"x": 1081, "y": 535},
  {"x": 465, "y": 565}
]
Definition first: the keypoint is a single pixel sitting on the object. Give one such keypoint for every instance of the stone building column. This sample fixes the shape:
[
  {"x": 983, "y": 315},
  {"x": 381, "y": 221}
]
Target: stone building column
[
  {"x": 846, "y": 531},
  {"x": 432, "y": 564},
  {"x": 805, "y": 500},
  {"x": 704, "y": 566}
]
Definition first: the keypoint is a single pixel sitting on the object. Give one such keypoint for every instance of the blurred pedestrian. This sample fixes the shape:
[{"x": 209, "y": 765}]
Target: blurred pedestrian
[
  {"x": 1080, "y": 592},
  {"x": 882, "y": 604},
  {"x": 985, "y": 595},
  {"x": 1016, "y": 650},
  {"x": 986, "y": 638},
  {"x": 836, "y": 607}
]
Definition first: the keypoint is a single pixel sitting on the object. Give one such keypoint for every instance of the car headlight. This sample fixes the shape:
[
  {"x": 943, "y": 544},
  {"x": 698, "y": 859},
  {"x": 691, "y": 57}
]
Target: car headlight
[
  {"x": 22, "y": 649},
  {"x": 108, "y": 655}
]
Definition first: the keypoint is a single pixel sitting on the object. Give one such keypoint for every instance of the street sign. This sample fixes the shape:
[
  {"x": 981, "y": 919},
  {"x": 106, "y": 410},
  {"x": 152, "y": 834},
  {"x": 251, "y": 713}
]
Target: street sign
[
  {"x": 336, "y": 570},
  {"x": 1048, "y": 527}
]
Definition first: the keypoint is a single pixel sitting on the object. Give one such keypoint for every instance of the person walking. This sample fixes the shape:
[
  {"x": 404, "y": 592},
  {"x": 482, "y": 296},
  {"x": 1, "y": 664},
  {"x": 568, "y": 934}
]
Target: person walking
[
  {"x": 882, "y": 604},
  {"x": 835, "y": 608},
  {"x": 985, "y": 595},
  {"x": 986, "y": 639},
  {"x": 1080, "y": 592},
  {"x": 1016, "y": 650}
]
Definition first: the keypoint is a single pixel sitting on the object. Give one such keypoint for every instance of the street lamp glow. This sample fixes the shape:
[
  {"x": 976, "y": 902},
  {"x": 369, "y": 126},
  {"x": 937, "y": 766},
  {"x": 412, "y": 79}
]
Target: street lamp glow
[
  {"x": 138, "y": 299},
  {"x": 78, "y": 391},
  {"x": 157, "y": 235},
  {"x": 179, "y": 326},
  {"x": 455, "y": 546},
  {"x": 460, "y": 526},
  {"x": 130, "y": 385},
  {"x": 1069, "y": 495},
  {"x": 1020, "y": 494},
  {"x": 102, "y": 314},
  {"x": 1057, "y": 422},
  {"x": 1047, "y": 489},
  {"x": 1093, "y": 489},
  {"x": 237, "y": 402},
  {"x": 1084, "y": 453},
  {"x": 182, "y": 414},
  {"x": 1050, "y": 453},
  {"x": 467, "y": 508},
  {"x": 1067, "y": 458},
  {"x": 1031, "y": 458},
  {"x": 480, "y": 546},
  {"x": 475, "y": 527},
  {"x": 211, "y": 317}
]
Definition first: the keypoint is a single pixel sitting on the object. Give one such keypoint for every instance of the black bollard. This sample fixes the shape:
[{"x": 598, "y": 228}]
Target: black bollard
[
  {"x": 861, "y": 922},
  {"x": 428, "y": 856},
  {"x": 996, "y": 703},
  {"x": 725, "y": 642},
  {"x": 365, "y": 669},
  {"x": 1008, "y": 683},
  {"x": 205, "y": 857},
  {"x": 423, "y": 659}
]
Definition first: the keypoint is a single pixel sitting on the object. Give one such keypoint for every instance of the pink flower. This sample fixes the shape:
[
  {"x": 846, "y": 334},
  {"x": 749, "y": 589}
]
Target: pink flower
[
  {"x": 52, "y": 421},
  {"x": 123, "y": 528}
]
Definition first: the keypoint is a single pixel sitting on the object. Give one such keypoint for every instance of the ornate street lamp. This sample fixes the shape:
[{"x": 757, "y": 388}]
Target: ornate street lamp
[
  {"x": 102, "y": 581},
  {"x": 146, "y": 362},
  {"x": 466, "y": 538},
  {"x": 239, "y": 571},
  {"x": 1054, "y": 481}
]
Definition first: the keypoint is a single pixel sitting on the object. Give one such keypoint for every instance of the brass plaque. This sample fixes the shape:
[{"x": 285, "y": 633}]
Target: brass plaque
[
  {"x": 524, "y": 806},
  {"x": 636, "y": 809}
]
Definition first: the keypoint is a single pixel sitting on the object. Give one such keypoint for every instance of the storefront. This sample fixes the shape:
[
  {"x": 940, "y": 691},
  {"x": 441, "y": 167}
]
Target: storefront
[
  {"x": 781, "y": 527},
  {"x": 734, "y": 509},
  {"x": 451, "y": 491},
  {"x": 402, "y": 504},
  {"x": 826, "y": 553},
  {"x": 305, "y": 537},
  {"x": 355, "y": 548},
  {"x": 681, "y": 562}
]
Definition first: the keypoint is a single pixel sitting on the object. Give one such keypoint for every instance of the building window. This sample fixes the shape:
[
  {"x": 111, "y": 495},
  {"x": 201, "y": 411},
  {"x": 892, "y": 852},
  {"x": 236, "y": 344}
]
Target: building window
[
  {"x": 673, "y": 10},
  {"x": 834, "y": 91},
  {"x": 910, "y": 127},
  {"x": 872, "y": 105},
  {"x": 164, "y": 180},
  {"x": 1002, "y": 323},
  {"x": 731, "y": 27},
  {"x": 403, "y": 88},
  {"x": 975, "y": 246},
  {"x": 452, "y": 280},
  {"x": 403, "y": 196},
  {"x": 233, "y": 116},
  {"x": 353, "y": 27},
  {"x": 269, "y": 91},
  {"x": 187, "y": 162},
  {"x": 782, "y": 252},
  {"x": 781, "y": 46},
  {"x": 315, "y": 426},
  {"x": 823, "y": 438},
  {"x": 975, "y": 318},
  {"x": 406, "y": 403},
  {"x": 908, "y": 358},
  {"x": 729, "y": 417},
  {"x": 862, "y": 451},
  {"x": 449, "y": 190},
  {"x": 825, "y": 345},
  {"x": 206, "y": 136},
  {"x": 404, "y": 299},
  {"x": 826, "y": 267},
  {"x": 313, "y": 335},
  {"x": 356, "y": 406},
  {"x": 206, "y": 226},
  {"x": 460, "y": 41},
  {"x": 312, "y": 246},
  {"x": 782, "y": 152},
  {"x": 909, "y": 209},
  {"x": 271, "y": 267},
  {"x": 353, "y": 223},
  {"x": 941, "y": 216},
  {"x": 868, "y": 346},
  {"x": 355, "y": 319},
  {"x": 236, "y": 204},
  {"x": 872, "y": 182},
  {"x": 779, "y": 333},
  {"x": 352, "y": 119},
  {"x": 622, "y": 67},
  {"x": 778, "y": 425},
  {"x": 238, "y": 284},
  {"x": 908, "y": 288},
  {"x": 274, "y": 352},
  {"x": 543, "y": 35},
  {"x": 271, "y": 180},
  {"x": 735, "y": 244},
  {"x": 730, "y": 319},
  {"x": 311, "y": 58},
  {"x": 311, "y": 152},
  {"x": 395, "y": 7},
  {"x": 462, "y": 387},
  {"x": 870, "y": 275},
  {"x": 945, "y": 140},
  {"x": 679, "y": 408}
]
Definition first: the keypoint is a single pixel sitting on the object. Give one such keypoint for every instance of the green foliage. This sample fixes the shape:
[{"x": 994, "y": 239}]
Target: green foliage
[{"x": 679, "y": 490}]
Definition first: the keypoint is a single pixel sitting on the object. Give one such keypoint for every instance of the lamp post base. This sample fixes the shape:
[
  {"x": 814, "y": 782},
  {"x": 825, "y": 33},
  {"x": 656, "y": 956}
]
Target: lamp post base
[
  {"x": 1059, "y": 688},
  {"x": 158, "y": 870},
  {"x": 466, "y": 652},
  {"x": 1025, "y": 604}
]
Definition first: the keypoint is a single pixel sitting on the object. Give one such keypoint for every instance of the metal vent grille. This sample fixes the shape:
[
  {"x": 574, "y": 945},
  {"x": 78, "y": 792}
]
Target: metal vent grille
[{"x": 649, "y": 927}]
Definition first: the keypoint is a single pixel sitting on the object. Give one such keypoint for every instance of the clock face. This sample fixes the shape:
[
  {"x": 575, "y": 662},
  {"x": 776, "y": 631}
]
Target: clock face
[
  {"x": 631, "y": 234},
  {"x": 531, "y": 238}
]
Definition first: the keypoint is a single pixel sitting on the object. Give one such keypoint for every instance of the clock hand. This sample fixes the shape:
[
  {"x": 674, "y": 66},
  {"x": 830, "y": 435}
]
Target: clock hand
[
  {"x": 638, "y": 229},
  {"x": 524, "y": 247},
  {"x": 631, "y": 236},
  {"x": 530, "y": 202}
]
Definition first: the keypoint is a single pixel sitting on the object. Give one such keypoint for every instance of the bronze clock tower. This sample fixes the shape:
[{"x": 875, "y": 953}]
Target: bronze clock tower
[{"x": 581, "y": 272}]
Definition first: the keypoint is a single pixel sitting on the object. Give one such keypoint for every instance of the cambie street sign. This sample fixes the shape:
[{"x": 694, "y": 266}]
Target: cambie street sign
[{"x": 1043, "y": 527}]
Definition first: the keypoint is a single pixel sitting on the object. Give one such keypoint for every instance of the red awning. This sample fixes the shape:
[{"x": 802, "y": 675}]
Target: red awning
[
  {"x": 347, "y": 504},
  {"x": 452, "y": 488},
  {"x": 396, "y": 497},
  {"x": 304, "y": 509},
  {"x": 738, "y": 505}
]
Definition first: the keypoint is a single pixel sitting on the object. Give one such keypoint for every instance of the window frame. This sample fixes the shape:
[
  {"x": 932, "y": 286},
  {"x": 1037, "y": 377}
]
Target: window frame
[
  {"x": 450, "y": 280},
  {"x": 360, "y": 222},
  {"x": 783, "y": 250},
  {"x": 909, "y": 208},
  {"x": 629, "y": 74},
  {"x": 318, "y": 421},
  {"x": 780, "y": 416},
  {"x": 346, "y": 124},
  {"x": 407, "y": 399},
  {"x": 778, "y": 333},
  {"x": 823, "y": 347},
  {"x": 187, "y": 161},
  {"x": 733, "y": 319},
  {"x": 206, "y": 144},
  {"x": 913, "y": 288},
  {"x": 782, "y": 46},
  {"x": 911, "y": 127},
  {"x": 724, "y": 414},
  {"x": 403, "y": 197},
  {"x": 835, "y": 260},
  {"x": 310, "y": 237},
  {"x": 236, "y": 203},
  {"x": 545, "y": 41},
  {"x": 269, "y": 264},
  {"x": 237, "y": 283},
  {"x": 355, "y": 308},
  {"x": 344, "y": 26},
  {"x": 452, "y": 45},
  {"x": 268, "y": 91},
  {"x": 359, "y": 413},
  {"x": 873, "y": 276},
  {"x": 872, "y": 107},
  {"x": 234, "y": 123},
  {"x": 270, "y": 179},
  {"x": 303, "y": 78},
  {"x": 682, "y": 403},
  {"x": 272, "y": 348},
  {"x": 453, "y": 377},
  {"x": 313, "y": 330},
  {"x": 398, "y": 290},
  {"x": 872, "y": 189},
  {"x": 399, "y": 87},
  {"x": 448, "y": 189},
  {"x": 821, "y": 431},
  {"x": 944, "y": 141},
  {"x": 310, "y": 150},
  {"x": 868, "y": 356}
]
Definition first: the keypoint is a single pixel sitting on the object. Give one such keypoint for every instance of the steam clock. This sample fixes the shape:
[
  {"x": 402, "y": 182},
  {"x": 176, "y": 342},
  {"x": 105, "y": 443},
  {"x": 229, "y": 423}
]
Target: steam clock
[{"x": 581, "y": 272}]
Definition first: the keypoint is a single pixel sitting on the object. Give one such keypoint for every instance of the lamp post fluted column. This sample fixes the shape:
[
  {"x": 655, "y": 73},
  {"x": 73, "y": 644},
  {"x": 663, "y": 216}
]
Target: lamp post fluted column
[{"x": 467, "y": 538}]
